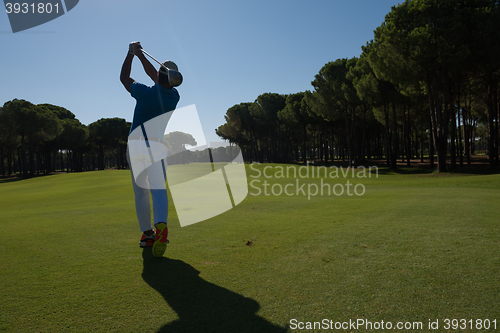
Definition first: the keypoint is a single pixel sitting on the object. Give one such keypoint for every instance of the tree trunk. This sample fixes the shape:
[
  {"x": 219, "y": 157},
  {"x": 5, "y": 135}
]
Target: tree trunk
[
  {"x": 31, "y": 157},
  {"x": 100, "y": 158},
  {"x": 473, "y": 135},
  {"x": 460, "y": 126},
  {"x": 491, "y": 104},
  {"x": 497, "y": 104},
  {"x": 2, "y": 169},
  {"x": 304, "y": 146},
  {"x": 388, "y": 152},
  {"x": 9, "y": 162},
  {"x": 363, "y": 138},
  {"x": 439, "y": 123},
  {"x": 23, "y": 160},
  {"x": 431, "y": 146},
  {"x": 348, "y": 132},
  {"x": 408, "y": 140},
  {"x": 394, "y": 152},
  {"x": 453, "y": 150},
  {"x": 466, "y": 135},
  {"x": 422, "y": 137}
]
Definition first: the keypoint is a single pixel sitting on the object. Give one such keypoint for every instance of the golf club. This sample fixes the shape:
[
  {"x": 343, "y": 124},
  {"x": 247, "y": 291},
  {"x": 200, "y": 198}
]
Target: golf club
[
  {"x": 174, "y": 77},
  {"x": 143, "y": 51}
]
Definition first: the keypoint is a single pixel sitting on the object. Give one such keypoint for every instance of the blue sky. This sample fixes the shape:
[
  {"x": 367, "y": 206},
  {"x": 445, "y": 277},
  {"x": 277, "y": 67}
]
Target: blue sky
[{"x": 229, "y": 52}]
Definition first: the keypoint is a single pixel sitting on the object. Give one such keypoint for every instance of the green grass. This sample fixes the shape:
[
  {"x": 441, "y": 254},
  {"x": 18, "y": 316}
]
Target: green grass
[{"x": 414, "y": 247}]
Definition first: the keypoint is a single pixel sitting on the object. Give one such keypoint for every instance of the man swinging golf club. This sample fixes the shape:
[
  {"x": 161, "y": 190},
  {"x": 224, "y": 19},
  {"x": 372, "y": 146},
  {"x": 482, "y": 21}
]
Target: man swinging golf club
[{"x": 153, "y": 104}]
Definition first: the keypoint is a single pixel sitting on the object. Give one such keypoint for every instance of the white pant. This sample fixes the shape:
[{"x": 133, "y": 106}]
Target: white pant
[{"x": 150, "y": 180}]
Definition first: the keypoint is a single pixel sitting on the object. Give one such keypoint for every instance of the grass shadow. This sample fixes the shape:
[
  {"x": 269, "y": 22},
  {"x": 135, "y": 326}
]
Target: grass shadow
[
  {"x": 202, "y": 306},
  {"x": 405, "y": 171},
  {"x": 15, "y": 178},
  {"x": 10, "y": 179},
  {"x": 427, "y": 171}
]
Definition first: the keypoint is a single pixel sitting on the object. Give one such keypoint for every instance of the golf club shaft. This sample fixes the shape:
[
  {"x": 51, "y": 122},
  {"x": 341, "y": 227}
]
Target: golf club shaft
[{"x": 154, "y": 59}]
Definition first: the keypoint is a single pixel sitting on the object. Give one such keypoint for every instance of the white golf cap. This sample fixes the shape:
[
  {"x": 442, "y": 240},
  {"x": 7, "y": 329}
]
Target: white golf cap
[
  {"x": 170, "y": 65},
  {"x": 174, "y": 76}
]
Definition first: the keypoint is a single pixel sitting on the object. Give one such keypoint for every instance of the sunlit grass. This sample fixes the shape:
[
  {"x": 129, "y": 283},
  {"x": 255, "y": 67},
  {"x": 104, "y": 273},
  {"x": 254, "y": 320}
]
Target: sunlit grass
[{"x": 413, "y": 247}]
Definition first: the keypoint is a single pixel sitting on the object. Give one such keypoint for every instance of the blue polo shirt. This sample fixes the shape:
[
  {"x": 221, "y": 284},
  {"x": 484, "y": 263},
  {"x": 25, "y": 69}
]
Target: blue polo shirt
[{"x": 151, "y": 102}]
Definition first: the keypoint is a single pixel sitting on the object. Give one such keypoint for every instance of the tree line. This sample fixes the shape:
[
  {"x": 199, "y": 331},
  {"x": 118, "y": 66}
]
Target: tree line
[
  {"x": 46, "y": 138},
  {"x": 426, "y": 85}
]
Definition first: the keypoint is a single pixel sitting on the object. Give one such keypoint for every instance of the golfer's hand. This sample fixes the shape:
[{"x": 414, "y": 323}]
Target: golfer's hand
[{"x": 135, "y": 48}]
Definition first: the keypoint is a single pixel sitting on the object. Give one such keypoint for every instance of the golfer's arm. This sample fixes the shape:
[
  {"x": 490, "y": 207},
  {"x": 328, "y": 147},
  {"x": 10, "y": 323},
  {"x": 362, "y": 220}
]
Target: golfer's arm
[
  {"x": 148, "y": 67},
  {"x": 125, "y": 73}
]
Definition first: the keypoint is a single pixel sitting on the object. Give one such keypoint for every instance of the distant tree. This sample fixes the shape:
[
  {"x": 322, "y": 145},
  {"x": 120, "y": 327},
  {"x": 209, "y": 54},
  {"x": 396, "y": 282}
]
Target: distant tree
[
  {"x": 176, "y": 143},
  {"x": 107, "y": 138},
  {"x": 51, "y": 128},
  {"x": 9, "y": 141},
  {"x": 73, "y": 140},
  {"x": 296, "y": 116},
  {"x": 485, "y": 50},
  {"x": 265, "y": 112},
  {"x": 336, "y": 98},
  {"x": 428, "y": 42},
  {"x": 369, "y": 90},
  {"x": 33, "y": 124},
  {"x": 237, "y": 127},
  {"x": 427, "y": 79},
  {"x": 59, "y": 111}
]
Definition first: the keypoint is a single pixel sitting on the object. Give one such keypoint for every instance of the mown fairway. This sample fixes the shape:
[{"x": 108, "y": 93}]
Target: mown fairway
[{"x": 414, "y": 247}]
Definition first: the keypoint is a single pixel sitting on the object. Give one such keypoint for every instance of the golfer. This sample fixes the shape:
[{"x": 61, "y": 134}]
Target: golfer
[{"x": 147, "y": 161}]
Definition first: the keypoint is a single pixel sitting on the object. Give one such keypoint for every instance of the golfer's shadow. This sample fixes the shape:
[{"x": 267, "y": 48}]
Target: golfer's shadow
[{"x": 201, "y": 306}]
